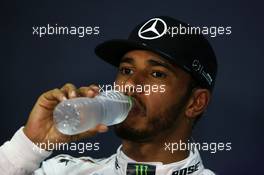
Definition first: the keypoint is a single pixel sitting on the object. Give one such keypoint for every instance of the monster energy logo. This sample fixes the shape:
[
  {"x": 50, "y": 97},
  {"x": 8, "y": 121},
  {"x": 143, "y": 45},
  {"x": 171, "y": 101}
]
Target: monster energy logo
[{"x": 140, "y": 169}]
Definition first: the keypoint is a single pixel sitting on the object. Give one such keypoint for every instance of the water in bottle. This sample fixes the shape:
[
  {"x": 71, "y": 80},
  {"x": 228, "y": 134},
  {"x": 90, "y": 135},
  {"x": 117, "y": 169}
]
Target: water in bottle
[{"x": 78, "y": 115}]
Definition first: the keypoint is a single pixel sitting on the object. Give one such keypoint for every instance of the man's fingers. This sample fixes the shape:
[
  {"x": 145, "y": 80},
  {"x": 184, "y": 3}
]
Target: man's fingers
[
  {"x": 94, "y": 87},
  {"x": 70, "y": 90},
  {"x": 100, "y": 128},
  {"x": 90, "y": 91},
  {"x": 55, "y": 95}
]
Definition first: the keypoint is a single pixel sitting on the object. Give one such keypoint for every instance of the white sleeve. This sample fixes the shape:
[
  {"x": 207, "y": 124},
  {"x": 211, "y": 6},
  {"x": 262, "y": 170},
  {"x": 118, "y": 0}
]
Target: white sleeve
[{"x": 20, "y": 156}]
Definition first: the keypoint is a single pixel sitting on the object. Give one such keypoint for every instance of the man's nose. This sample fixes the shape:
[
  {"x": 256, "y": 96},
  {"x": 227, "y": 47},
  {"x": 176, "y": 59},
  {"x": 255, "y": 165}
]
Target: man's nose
[{"x": 133, "y": 83}]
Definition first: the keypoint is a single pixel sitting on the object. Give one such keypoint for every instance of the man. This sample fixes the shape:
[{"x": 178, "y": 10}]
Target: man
[{"x": 185, "y": 65}]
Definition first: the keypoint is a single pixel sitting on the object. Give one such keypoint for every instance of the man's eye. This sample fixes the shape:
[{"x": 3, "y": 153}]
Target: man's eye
[
  {"x": 158, "y": 74},
  {"x": 125, "y": 71}
]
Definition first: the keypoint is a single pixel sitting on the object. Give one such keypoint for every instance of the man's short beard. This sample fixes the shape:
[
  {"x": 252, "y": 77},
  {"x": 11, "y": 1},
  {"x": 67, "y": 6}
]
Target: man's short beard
[{"x": 157, "y": 125}]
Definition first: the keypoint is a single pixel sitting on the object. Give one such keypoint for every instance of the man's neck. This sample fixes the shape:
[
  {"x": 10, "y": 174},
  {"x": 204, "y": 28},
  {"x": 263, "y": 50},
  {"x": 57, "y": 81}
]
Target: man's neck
[{"x": 155, "y": 150}]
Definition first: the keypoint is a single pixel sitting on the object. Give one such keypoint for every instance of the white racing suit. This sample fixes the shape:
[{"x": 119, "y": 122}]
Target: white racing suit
[{"x": 17, "y": 157}]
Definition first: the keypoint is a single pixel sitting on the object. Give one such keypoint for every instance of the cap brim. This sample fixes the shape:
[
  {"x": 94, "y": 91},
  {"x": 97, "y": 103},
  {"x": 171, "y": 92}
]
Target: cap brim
[{"x": 113, "y": 50}]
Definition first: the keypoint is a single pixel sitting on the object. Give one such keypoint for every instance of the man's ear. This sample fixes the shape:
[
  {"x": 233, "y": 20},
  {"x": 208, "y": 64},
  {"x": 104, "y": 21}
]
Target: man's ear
[{"x": 198, "y": 103}]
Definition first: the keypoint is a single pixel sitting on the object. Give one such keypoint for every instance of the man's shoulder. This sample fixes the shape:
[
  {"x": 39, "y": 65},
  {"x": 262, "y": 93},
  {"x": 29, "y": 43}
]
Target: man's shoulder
[
  {"x": 64, "y": 163},
  {"x": 68, "y": 159}
]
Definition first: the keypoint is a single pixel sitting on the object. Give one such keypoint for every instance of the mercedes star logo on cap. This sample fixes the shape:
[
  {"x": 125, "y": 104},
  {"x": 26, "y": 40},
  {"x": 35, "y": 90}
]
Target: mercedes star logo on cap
[{"x": 151, "y": 27}]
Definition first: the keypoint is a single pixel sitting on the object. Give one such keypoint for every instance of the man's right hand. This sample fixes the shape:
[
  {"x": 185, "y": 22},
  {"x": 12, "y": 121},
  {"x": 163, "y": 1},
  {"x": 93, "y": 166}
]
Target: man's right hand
[{"x": 40, "y": 127}]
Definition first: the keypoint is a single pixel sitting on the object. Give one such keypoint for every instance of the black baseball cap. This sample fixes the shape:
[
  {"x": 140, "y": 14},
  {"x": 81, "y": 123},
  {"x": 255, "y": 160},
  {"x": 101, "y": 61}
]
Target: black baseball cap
[{"x": 190, "y": 51}]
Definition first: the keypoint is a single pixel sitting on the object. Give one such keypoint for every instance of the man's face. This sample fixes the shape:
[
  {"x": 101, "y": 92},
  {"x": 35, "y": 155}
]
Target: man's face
[{"x": 154, "y": 111}]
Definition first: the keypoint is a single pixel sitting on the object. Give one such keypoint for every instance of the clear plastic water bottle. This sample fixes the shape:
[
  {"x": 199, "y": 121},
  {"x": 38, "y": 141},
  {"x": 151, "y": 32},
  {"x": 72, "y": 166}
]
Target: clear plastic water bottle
[{"x": 78, "y": 115}]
